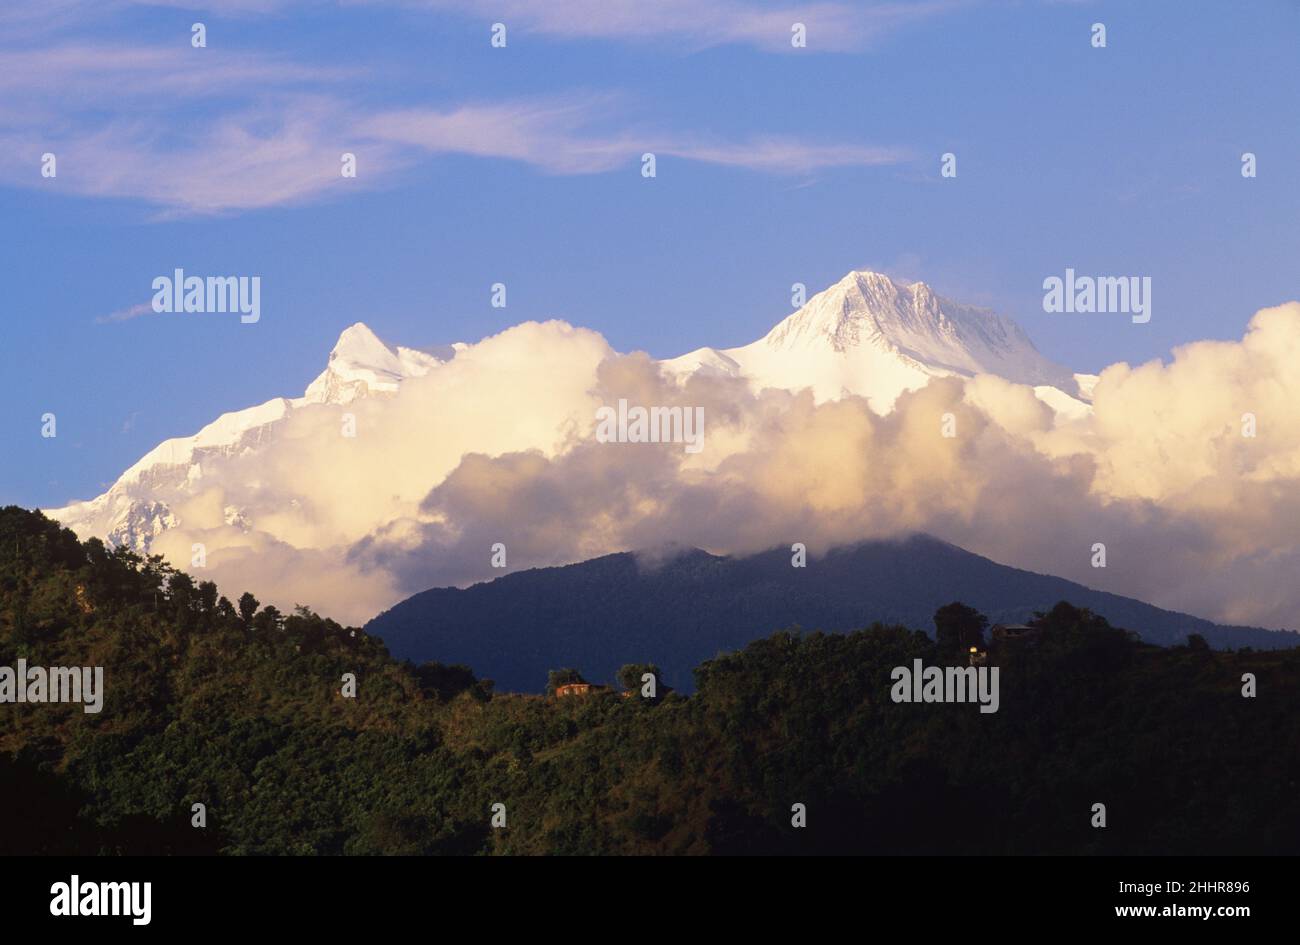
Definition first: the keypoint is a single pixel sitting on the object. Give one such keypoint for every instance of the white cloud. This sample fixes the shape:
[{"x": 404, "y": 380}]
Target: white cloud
[
  {"x": 497, "y": 445},
  {"x": 125, "y": 314},
  {"x": 210, "y": 132},
  {"x": 831, "y": 26},
  {"x": 560, "y": 137},
  {"x": 223, "y": 129}
]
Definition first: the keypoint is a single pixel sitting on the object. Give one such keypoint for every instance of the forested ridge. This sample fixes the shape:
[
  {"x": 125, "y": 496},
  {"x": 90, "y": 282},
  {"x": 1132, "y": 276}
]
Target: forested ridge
[
  {"x": 238, "y": 707},
  {"x": 682, "y": 609}
]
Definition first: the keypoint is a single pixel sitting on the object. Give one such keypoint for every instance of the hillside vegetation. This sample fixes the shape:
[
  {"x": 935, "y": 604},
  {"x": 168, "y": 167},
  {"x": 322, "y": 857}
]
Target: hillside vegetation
[{"x": 238, "y": 707}]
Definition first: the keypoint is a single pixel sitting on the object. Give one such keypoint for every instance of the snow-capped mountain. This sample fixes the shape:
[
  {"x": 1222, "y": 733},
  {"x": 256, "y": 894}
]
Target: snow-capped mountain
[
  {"x": 867, "y": 335},
  {"x": 874, "y": 337},
  {"x": 360, "y": 365}
]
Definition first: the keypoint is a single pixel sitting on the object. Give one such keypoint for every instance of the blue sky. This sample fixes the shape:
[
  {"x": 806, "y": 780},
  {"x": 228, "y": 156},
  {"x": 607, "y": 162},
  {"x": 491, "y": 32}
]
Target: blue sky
[{"x": 521, "y": 165}]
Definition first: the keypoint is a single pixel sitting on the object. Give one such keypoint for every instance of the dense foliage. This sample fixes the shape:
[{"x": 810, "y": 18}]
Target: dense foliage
[{"x": 238, "y": 707}]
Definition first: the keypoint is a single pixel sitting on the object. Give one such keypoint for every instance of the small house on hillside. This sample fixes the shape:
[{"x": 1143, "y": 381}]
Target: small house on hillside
[
  {"x": 1014, "y": 632},
  {"x": 573, "y": 689}
]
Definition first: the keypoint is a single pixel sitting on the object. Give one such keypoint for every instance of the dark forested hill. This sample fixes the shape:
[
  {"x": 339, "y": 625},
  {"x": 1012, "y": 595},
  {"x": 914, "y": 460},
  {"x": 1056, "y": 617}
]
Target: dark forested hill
[
  {"x": 601, "y": 613},
  {"x": 239, "y": 708}
]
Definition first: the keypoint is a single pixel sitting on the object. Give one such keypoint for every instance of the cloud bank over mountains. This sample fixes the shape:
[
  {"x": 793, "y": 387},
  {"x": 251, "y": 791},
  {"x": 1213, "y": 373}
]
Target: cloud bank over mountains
[{"x": 460, "y": 448}]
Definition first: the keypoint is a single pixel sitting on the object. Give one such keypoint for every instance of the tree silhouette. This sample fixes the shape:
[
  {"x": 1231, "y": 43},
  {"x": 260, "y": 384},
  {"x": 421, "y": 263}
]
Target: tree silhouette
[
  {"x": 958, "y": 627},
  {"x": 247, "y": 608}
]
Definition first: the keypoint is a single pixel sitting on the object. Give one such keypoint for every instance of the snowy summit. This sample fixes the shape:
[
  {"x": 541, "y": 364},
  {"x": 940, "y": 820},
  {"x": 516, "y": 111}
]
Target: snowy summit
[{"x": 873, "y": 337}]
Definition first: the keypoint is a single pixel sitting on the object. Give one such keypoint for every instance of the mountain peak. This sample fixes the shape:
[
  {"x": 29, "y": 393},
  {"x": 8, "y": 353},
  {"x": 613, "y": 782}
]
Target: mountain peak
[
  {"x": 875, "y": 304},
  {"x": 870, "y": 310},
  {"x": 361, "y": 363},
  {"x": 359, "y": 342},
  {"x": 872, "y": 277},
  {"x": 866, "y": 283},
  {"x": 873, "y": 336}
]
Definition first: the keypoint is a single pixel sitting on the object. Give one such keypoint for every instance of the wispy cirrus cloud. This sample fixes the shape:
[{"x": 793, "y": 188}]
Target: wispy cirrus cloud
[
  {"x": 85, "y": 73},
  {"x": 230, "y": 128},
  {"x": 33, "y": 17},
  {"x": 563, "y": 137},
  {"x": 125, "y": 314},
  {"x": 831, "y": 26},
  {"x": 786, "y": 155},
  {"x": 216, "y": 131}
]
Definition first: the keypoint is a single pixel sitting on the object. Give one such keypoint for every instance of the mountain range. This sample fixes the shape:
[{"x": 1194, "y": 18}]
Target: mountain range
[
  {"x": 867, "y": 335},
  {"x": 681, "y": 610}
]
